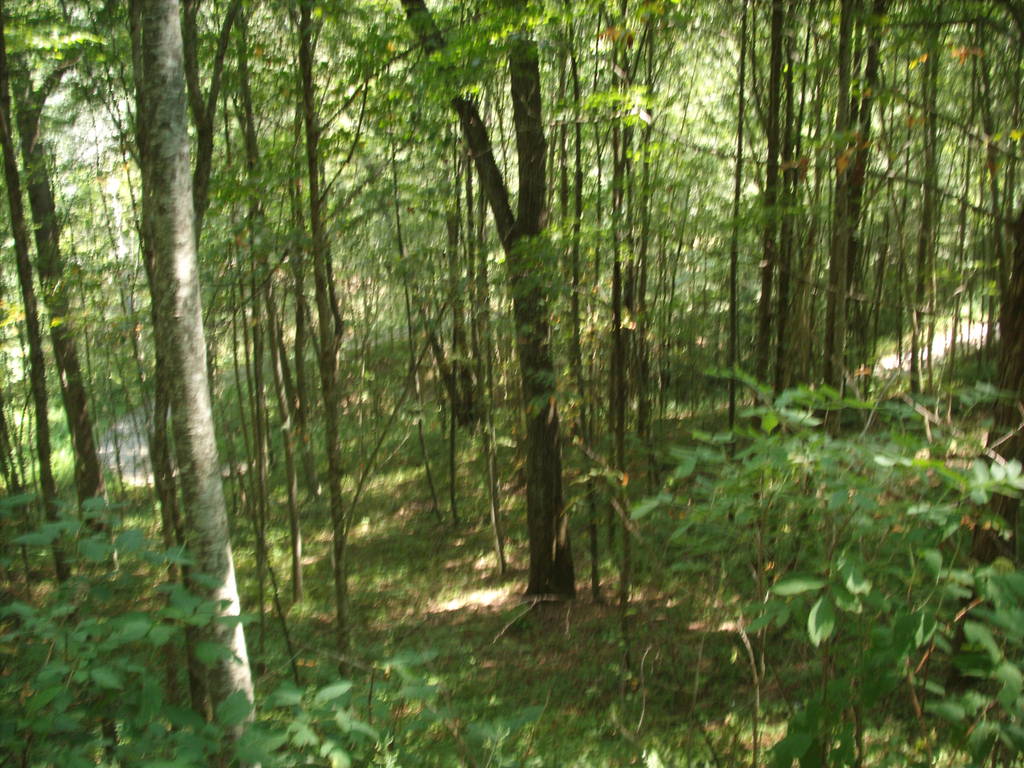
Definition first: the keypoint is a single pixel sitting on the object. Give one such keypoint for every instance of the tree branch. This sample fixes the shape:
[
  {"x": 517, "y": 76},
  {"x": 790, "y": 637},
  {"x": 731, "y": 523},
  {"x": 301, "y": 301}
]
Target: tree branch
[{"x": 474, "y": 131}]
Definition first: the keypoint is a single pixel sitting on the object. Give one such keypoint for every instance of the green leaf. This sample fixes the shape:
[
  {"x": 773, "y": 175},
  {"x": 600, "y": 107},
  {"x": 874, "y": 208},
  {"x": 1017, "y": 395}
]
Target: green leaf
[
  {"x": 234, "y": 709},
  {"x": 130, "y": 540},
  {"x": 17, "y": 500},
  {"x": 769, "y": 422},
  {"x": 107, "y": 678},
  {"x": 925, "y": 629},
  {"x": 847, "y": 602},
  {"x": 350, "y": 725},
  {"x": 257, "y": 747},
  {"x": 303, "y": 735},
  {"x": 1013, "y": 683},
  {"x": 41, "y": 538},
  {"x": 160, "y": 634},
  {"x": 685, "y": 467},
  {"x": 933, "y": 560},
  {"x": 286, "y": 695},
  {"x": 948, "y": 710},
  {"x": 134, "y": 627},
  {"x": 760, "y": 622},
  {"x": 339, "y": 758},
  {"x": 644, "y": 508},
  {"x": 821, "y": 621},
  {"x": 41, "y": 699},
  {"x": 208, "y": 653},
  {"x": 418, "y": 692},
  {"x": 332, "y": 692},
  {"x": 980, "y": 635},
  {"x": 855, "y": 581},
  {"x": 795, "y": 585}
]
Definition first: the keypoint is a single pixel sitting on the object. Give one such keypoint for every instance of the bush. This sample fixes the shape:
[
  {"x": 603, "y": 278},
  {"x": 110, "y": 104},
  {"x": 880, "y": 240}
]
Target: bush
[
  {"x": 84, "y": 680},
  {"x": 853, "y": 554}
]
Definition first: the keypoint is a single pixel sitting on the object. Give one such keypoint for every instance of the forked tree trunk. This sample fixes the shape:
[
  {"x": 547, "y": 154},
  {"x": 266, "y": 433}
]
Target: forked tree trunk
[
  {"x": 529, "y": 261},
  {"x": 169, "y": 220}
]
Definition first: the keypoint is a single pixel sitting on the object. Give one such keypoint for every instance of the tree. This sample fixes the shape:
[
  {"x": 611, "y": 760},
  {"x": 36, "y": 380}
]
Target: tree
[
  {"x": 329, "y": 326},
  {"x": 37, "y": 365},
  {"x": 53, "y": 278},
  {"x": 529, "y": 255},
  {"x": 169, "y": 221},
  {"x": 835, "y": 322}
]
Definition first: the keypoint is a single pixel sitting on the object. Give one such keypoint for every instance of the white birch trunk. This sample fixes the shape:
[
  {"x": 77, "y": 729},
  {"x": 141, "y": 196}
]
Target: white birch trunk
[{"x": 169, "y": 222}]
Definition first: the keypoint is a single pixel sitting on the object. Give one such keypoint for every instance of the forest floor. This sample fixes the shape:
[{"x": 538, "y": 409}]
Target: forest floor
[{"x": 577, "y": 683}]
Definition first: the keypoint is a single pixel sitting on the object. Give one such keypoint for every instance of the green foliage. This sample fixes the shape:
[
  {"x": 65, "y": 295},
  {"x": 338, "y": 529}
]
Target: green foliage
[
  {"x": 863, "y": 587},
  {"x": 79, "y": 663},
  {"x": 89, "y": 676}
]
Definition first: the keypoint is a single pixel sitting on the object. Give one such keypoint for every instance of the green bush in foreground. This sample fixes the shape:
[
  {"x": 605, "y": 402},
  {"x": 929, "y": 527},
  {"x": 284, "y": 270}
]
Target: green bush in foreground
[
  {"x": 890, "y": 643},
  {"x": 84, "y": 680}
]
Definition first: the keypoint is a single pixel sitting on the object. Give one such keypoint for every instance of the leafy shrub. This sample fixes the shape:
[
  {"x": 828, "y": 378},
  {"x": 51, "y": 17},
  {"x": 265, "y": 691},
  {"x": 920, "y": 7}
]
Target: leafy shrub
[
  {"x": 854, "y": 557},
  {"x": 83, "y": 681}
]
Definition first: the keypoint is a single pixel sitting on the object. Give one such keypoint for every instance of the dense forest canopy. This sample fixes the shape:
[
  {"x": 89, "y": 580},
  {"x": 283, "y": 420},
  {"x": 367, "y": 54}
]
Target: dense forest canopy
[{"x": 569, "y": 382}]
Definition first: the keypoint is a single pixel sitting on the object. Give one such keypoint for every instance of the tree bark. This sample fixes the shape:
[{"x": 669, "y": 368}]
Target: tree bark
[
  {"x": 50, "y": 266},
  {"x": 169, "y": 219},
  {"x": 771, "y": 194},
  {"x": 528, "y": 257},
  {"x": 37, "y": 363},
  {"x": 926, "y": 232},
  {"x": 835, "y": 312},
  {"x": 734, "y": 239},
  {"x": 203, "y": 107},
  {"x": 1007, "y": 437},
  {"x": 862, "y": 120},
  {"x": 329, "y": 335}
]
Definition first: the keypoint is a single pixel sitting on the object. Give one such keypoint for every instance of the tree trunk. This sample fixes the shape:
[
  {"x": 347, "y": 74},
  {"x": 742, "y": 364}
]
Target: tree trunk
[
  {"x": 1007, "y": 437},
  {"x": 528, "y": 257},
  {"x": 926, "y": 232},
  {"x": 37, "y": 363},
  {"x": 771, "y": 195},
  {"x": 50, "y": 266},
  {"x": 169, "y": 220},
  {"x": 737, "y": 190},
  {"x": 855, "y": 198},
  {"x": 835, "y": 313},
  {"x": 329, "y": 335},
  {"x": 787, "y": 218}
]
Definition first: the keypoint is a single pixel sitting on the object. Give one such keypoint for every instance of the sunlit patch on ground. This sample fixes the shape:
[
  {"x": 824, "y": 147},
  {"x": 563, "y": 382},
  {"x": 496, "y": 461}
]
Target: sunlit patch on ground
[
  {"x": 476, "y": 599},
  {"x": 703, "y": 626}
]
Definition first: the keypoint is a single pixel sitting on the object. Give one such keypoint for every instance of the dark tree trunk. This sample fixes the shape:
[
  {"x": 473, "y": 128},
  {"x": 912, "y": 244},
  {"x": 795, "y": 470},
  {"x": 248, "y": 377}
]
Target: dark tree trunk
[
  {"x": 50, "y": 266},
  {"x": 783, "y": 364},
  {"x": 528, "y": 257},
  {"x": 202, "y": 106},
  {"x": 1007, "y": 437},
  {"x": 835, "y": 313},
  {"x": 769, "y": 263},
  {"x": 37, "y": 363},
  {"x": 926, "y": 231},
  {"x": 275, "y": 343},
  {"x": 329, "y": 335}
]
